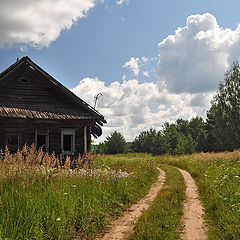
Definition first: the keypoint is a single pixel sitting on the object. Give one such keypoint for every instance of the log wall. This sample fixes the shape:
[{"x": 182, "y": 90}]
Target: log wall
[{"x": 27, "y": 136}]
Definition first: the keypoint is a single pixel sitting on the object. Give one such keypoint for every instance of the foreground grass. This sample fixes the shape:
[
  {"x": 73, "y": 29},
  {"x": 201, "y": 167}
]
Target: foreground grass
[
  {"x": 162, "y": 219},
  {"x": 42, "y": 202},
  {"x": 218, "y": 178}
]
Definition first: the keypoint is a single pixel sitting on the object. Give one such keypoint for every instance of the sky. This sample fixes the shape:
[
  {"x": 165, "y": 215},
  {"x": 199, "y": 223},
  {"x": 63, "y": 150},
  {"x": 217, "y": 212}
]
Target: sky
[{"x": 153, "y": 61}]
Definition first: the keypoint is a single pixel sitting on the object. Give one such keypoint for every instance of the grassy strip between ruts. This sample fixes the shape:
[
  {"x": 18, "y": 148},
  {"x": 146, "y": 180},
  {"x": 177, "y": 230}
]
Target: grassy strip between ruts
[
  {"x": 218, "y": 178},
  {"x": 41, "y": 202},
  {"x": 162, "y": 219}
]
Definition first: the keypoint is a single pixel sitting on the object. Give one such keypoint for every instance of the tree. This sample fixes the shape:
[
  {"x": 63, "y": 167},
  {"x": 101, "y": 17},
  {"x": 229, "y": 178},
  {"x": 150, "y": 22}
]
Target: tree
[
  {"x": 158, "y": 144},
  {"x": 144, "y": 141},
  {"x": 171, "y": 137},
  {"x": 182, "y": 126},
  {"x": 185, "y": 144},
  {"x": 197, "y": 130},
  {"x": 100, "y": 148},
  {"x": 223, "y": 118},
  {"x": 115, "y": 143}
]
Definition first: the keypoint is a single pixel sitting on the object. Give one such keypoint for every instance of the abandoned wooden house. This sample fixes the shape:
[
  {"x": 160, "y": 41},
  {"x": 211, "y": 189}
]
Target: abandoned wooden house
[{"x": 36, "y": 108}]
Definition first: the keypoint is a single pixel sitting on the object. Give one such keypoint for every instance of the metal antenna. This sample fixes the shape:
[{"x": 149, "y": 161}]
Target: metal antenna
[{"x": 96, "y": 98}]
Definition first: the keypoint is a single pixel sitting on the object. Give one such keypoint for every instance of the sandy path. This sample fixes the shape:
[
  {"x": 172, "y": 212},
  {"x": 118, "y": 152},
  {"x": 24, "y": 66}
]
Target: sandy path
[
  {"x": 194, "y": 227},
  {"x": 122, "y": 227}
]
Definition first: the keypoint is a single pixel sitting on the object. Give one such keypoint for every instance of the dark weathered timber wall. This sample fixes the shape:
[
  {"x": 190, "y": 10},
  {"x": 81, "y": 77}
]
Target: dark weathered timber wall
[
  {"x": 79, "y": 145},
  {"x": 2, "y": 140},
  {"x": 28, "y": 87},
  {"x": 88, "y": 139},
  {"x": 27, "y": 136},
  {"x": 55, "y": 141}
]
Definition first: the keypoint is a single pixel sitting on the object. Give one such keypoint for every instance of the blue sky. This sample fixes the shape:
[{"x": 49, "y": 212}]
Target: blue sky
[{"x": 153, "y": 60}]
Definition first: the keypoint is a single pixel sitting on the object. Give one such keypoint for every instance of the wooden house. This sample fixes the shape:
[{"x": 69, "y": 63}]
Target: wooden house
[{"x": 36, "y": 108}]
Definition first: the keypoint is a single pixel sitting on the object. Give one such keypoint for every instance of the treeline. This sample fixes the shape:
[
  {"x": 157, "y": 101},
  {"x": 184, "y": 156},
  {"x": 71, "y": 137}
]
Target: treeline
[
  {"x": 177, "y": 138},
  {"x": 220, "y": 131}
]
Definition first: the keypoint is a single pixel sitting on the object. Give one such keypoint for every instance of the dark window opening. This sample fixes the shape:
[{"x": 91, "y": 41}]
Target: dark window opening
[
  {"x": 67, "y": 142},
  {"x": 41, "y": 142},
  {"x": 23, "y": 80},
  {"x": 13, "y": 143}
]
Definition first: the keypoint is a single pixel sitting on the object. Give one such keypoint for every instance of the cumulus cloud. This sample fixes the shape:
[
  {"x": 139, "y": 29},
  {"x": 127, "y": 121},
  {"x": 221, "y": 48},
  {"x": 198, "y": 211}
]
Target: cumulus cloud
[
  {"x": 131, "y": 106},
  {"x": 38, "y": 23},
  {"x": 191, "y": 64},
  {"x": 133, "y": 64},
  {"x": 196, "y": 57}
]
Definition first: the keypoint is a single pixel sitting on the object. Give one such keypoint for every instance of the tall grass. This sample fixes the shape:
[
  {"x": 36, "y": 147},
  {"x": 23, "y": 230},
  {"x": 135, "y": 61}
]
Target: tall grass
[
  {"x": 218, "y": 178},
  {"x": 162, "y": 219},
  {"x": 40, "y": 199}
]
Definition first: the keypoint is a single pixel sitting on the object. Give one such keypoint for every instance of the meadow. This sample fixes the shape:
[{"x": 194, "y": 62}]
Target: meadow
[
  {"x": 162, "y": 219},
  {"x": 41, "y": 199},
  {"x": 218, "y": 178}
]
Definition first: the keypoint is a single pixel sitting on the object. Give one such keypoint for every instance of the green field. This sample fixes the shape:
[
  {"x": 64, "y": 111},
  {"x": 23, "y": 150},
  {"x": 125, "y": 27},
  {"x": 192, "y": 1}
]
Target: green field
[
  {"x": 41, "y": 200},
  {"x": 218, "y": 178}
]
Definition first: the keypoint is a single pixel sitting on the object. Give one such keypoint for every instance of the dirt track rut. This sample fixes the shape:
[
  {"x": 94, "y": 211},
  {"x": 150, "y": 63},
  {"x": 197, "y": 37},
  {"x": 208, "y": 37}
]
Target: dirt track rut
[
  {"x": 194, "y": 227},
  {"x": 123, "y": 226}
]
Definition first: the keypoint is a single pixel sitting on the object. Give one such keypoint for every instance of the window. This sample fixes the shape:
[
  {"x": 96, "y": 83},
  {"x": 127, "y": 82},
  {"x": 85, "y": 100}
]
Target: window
[
  {"x": 42, "y": 140},
  {"x": 68, "y": 141},
  {"x": 13, "y": 142},
  {"x": 24, "y": 81}
]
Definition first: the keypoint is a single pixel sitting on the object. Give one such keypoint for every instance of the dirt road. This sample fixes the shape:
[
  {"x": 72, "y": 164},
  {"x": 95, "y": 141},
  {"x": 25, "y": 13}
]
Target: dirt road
[
  {"x": 194, "y": 227},
  {"x": 122, "y": 227}
]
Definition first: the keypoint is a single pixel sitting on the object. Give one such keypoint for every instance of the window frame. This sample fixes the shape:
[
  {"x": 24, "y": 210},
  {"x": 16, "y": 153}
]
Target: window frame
[
  {"x": 72, "y": 132},
  {"x": 41, "y": 132},
  {"x": 13, "y": 134}
]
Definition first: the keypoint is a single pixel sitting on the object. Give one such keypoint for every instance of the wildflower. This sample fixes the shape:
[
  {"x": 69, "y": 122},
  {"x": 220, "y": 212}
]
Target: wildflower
[
  {"x": 65, "y": 193},
  {"x": 74, "y": 186},
  {"x": 58, "y": 219}
]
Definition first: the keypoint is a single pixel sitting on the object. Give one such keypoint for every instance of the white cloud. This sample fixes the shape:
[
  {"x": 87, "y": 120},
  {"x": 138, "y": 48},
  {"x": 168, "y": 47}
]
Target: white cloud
[
  {"x": 131, "y": 107},
  {"x": 146, "y": 73},
  {"x": 120, "y": 2},
  {"x": 192, "y": 62},
  {"x": 38, "y": 23},
  {"x": 133, "y": 64},
  {"x": 144, "y": 59},
  {"x": 196, "y": 57}
]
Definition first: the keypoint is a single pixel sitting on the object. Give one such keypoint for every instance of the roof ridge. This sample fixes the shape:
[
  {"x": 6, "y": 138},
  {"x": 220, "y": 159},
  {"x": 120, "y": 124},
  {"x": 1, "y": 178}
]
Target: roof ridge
[{"x": 65, "y": 89}]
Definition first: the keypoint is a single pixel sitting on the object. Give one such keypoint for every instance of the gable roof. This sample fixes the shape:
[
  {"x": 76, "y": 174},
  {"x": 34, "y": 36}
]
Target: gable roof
[{"x": 74, "y": 109}]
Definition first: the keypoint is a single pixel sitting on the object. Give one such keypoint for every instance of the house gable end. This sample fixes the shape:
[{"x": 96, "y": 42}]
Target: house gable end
[
  {"x": 27, "y": 91},
  {"x": 26, "y": 86}
]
